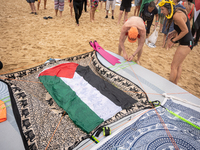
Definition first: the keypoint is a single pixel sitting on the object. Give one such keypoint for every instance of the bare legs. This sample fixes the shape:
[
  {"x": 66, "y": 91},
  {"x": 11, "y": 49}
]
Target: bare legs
[
  {"x": 56, "y": 11},
  {"x": 120, "y": 16},
  {"x": 179, "y": 56},
  {"x": 125, "y": 16},
  {"x": 92, "y": 11},
  {"x": 45, "y": 4},
  {"x": 32, "y": 5},
  {"x": 137, "y": 9}
]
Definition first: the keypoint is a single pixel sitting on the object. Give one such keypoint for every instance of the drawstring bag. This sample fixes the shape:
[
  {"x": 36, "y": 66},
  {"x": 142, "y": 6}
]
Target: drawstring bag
[{"x": 153, "y": 37}]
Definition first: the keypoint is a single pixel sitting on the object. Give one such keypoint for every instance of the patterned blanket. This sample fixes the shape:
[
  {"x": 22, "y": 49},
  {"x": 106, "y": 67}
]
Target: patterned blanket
[{"x": 42, "y": 123}]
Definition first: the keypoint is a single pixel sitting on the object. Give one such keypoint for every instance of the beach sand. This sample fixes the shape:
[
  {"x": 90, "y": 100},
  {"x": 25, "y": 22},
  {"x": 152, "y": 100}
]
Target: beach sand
[{"x": 28, "y": 40}]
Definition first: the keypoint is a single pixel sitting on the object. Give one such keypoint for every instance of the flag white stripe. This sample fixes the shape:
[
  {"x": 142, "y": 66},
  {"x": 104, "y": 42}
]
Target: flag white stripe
[{"x": 97, "y": 102}]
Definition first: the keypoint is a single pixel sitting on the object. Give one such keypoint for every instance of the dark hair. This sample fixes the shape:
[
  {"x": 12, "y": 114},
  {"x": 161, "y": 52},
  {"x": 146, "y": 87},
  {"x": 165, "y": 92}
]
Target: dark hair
[
  {"x": 152, "y": 4},
  {"x": 169, "y": 21}
]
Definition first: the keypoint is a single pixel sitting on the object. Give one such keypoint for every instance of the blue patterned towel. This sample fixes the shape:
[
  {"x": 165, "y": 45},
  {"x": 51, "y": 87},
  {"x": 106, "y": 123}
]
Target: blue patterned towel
[{"x": 147, "y": 133}]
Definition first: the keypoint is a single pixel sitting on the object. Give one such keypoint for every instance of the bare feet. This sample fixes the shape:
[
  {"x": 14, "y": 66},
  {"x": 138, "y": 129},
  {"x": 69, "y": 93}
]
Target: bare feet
[{"x": 138, "y": 62}]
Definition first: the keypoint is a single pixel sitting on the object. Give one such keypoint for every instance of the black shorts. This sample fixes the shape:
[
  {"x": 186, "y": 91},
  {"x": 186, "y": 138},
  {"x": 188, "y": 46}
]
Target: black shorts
[
  {"x": 190, "y": 44},
  {"x": 31, "y": 1},
  {"x": 122, "y": 8}
]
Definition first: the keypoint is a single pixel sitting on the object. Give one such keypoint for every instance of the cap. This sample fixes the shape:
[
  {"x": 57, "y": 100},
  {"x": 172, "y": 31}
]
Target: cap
[{"x": 132, "y": 34}]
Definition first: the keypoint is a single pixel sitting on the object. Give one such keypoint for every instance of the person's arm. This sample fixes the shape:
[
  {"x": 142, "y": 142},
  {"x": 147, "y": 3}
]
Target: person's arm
[
  {"x": 156, "y": 21},
  {"x": 121, "y": 47},
  {"x": 140, "y": 44},
  {"x": 178, "y": 20},
  {"x": 192, "y": 14},
  {"x": 156, "y": 2}
]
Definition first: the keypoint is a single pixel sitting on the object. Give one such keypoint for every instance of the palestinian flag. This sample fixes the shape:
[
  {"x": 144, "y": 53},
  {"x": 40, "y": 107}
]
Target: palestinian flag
[
  {"x": 87, "y": 99},
  {"x": 197, "y": 15}
]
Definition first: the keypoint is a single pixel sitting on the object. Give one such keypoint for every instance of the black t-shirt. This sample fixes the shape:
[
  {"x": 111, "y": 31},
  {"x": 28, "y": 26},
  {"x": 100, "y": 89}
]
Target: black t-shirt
[
  {"x": 126, "y": 3},
  {"x": 146, "y": 15}
]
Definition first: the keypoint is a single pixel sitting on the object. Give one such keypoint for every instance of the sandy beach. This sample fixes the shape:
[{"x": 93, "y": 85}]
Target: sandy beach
[{"x": 28, "y": 40}]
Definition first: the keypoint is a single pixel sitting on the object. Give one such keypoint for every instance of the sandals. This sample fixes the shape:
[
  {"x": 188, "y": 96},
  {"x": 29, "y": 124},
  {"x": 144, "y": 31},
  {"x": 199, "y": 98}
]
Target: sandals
[{"x": 48, "y": 17}]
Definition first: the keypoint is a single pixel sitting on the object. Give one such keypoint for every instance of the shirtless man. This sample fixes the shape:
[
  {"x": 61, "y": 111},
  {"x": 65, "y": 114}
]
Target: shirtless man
[{"x": 133, "y": 28}]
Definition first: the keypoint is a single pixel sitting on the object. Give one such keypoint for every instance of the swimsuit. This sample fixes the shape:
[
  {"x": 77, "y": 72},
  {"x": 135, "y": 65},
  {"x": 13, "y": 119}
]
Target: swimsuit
[{"x": 187, "y": 39}]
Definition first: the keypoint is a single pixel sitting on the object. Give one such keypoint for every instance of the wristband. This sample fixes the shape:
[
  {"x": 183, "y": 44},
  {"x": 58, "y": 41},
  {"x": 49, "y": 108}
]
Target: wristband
[{"x": 173, "y": 41}]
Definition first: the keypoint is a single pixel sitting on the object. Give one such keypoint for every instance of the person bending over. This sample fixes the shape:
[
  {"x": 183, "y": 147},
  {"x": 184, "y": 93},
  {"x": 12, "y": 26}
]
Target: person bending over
[
  {"x": 134, "y": 29},
  {"x": 148, "y": 15}
]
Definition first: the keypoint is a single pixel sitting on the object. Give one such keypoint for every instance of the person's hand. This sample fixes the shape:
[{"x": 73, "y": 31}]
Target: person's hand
[
  {"x": 169, "y": 44},
  {"x": 131, "y": 58},
  {"x": 156, "y": 24},
  {"x": 125, "y": 56},
  {"x": 171, "y": 35}
]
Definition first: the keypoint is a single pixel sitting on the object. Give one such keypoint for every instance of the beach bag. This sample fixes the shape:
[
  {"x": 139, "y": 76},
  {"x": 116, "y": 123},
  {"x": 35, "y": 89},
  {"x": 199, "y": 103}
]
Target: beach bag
[{"x": 153, "y": 37}]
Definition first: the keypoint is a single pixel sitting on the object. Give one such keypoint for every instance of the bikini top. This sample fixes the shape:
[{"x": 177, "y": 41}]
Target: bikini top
[{"x": 189, "y": 14}]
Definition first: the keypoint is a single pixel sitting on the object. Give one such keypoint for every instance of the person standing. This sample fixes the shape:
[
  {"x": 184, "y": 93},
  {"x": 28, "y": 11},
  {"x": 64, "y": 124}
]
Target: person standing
[
  {"x": 85, "y": 2},
  {"x": 45, "y": 4},
  {"x": 182, "y": 35},
  {"x": 110, "y": 3},
  {"x": 171, "y": 28},
  {"x": 32, "y": 6},
  {"x": 137, "y": 7},
  {"x": 148, "y": 15},
  {"x": 59, "y": 5},
  {"x": 134, "y": 29},
  {"x": 125, "y": 6},
  {"x": 94, "y": 5},
  {"x": 78, "y": 8}
]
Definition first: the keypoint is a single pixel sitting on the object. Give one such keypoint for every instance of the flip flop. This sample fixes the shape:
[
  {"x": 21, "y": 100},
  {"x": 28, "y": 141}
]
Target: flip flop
[
  {"x": 50, "y": 17},
  {"x": 45, "y": 18},
  {"x": 92, "y": 45}
]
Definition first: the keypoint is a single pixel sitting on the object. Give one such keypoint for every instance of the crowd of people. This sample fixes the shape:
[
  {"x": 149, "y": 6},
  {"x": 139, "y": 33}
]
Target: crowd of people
[{"x": 173, "y": 16}]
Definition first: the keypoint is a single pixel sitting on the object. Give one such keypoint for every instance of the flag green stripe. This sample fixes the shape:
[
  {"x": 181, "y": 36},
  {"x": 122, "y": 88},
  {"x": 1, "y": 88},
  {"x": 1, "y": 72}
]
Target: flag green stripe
[{"x": 67, "y": 99}]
